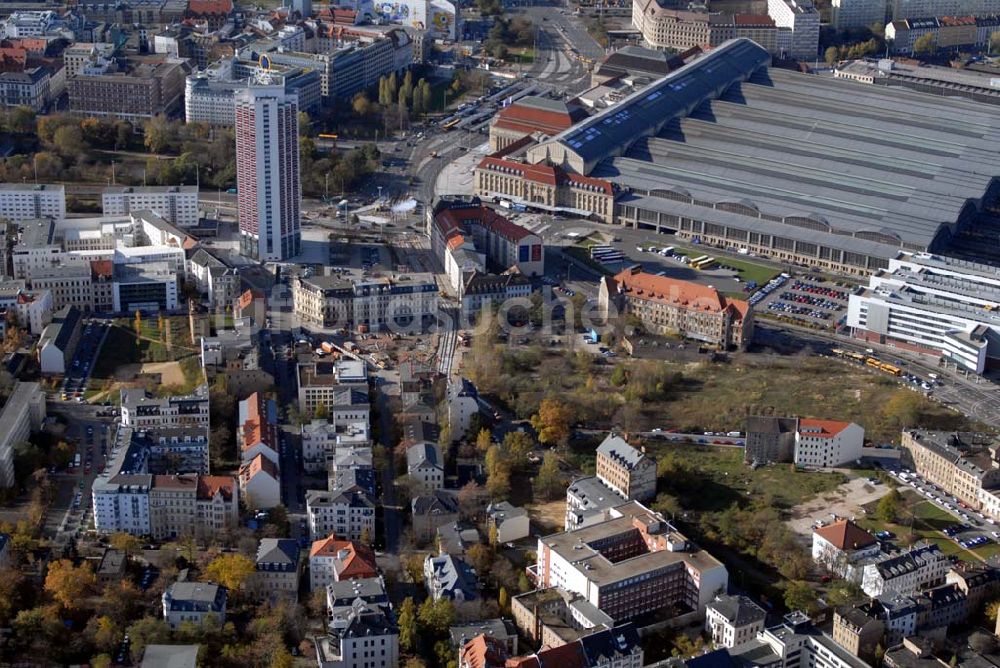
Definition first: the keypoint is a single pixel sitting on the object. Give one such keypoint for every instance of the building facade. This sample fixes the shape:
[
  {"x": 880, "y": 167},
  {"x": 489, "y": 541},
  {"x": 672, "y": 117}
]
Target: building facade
[
  {"x": 962, "y": 464},
  {"x": 267, "y": 171},
  {"x": 346, "y": 513},
  {"x": 667, "y": 306},
  {"x": 403, "y": 303},
  {"x": 175, "y": 204}
]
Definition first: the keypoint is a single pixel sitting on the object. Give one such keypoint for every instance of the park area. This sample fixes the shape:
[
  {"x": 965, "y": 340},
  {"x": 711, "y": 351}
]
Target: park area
[
  {"x": 920, "y": 520},
  {"x": 156, "y": 351}
]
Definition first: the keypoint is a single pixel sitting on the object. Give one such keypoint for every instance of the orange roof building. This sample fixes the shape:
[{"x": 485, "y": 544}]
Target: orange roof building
[
  {"x": 669, "y": 306},
  {"x": 844, "y": 548},
  {"x": 533, "y": 114},
  {"x": 334, "y": 560},
  {"x": 260, "y": 483}
]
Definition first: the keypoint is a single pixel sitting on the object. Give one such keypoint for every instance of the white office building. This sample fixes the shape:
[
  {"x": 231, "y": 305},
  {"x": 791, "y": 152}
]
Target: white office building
[
  {"x": 267, "y": 169},
  {"x": 19, "y": 202},
  {"x": 802, "y": 18},
  {"x": 846, "y": 14},
  {"x": 175, "y": 204},
  {"x": 826, "y": 443},
  {"x": 935, "y": 305}
]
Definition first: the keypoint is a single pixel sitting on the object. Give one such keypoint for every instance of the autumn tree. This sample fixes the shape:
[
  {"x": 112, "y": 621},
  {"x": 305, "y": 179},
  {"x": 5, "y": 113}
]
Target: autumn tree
[
  {"x": 436, "y": 617},
  {"x": 361, "y": 105},
  {"x": 408, "y": 625},
  {"x": 480, "y": 557},
  {"x": 69, "y": 584},
  {"x": 231, "y": 570},
  {"x": 831, "y": 55},
  {"x": 125, "y": 542},
  {"x": 552, "y": 422},
  {"x": 147, "y": 631},
  {"x": 498, "y": 470},
  {"x": 483, "y": 441},
  {"x": 518, "y": 445},
  {"x": 503, "y": 599},
  {"x": 925, "y": 44}
]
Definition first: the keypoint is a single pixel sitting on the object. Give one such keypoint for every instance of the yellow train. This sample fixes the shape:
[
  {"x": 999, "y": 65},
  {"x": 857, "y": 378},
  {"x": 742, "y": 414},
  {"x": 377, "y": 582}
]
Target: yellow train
[{"x": 868, "y": 360}]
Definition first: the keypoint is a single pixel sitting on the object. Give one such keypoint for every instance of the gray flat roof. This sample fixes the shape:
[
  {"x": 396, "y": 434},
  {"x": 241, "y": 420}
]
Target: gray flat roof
[{"x": 879, "y": 166}]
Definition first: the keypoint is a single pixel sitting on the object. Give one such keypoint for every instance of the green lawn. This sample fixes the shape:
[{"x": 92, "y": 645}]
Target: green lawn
[
  {"x": 928, "y": 521},
  {"x": 748, "y": 271},
  {"x": 727, "y": 478}
]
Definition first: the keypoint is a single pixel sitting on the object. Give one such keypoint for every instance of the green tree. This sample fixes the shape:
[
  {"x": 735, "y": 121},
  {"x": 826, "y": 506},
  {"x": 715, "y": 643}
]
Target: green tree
[
  {"x": 548, "y": 482},
  {"x": 619, "y": 376},
  {"x": 831, "y": 55},
  {"x": 518, "y": 445},
  {"x": 498, "y": 470},
  {"x": 160, "y": 134},
  {"x": 925, "y": 45},
  {"x": 426, "y": 94},
  {"x": 800, "y": 596},
  {"x": 503, "y": 599},
  {"x": 888, "y": 506},
  {"x": 147, "y": 631},
  {"x": 69, "y": 141},
  {"x": 408, "y": 625}
]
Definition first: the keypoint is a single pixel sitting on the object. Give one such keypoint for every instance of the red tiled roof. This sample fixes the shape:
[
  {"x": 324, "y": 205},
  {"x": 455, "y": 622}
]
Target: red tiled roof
[
  {"x": 666, "y": 290},
  {"x": 822, "y": 428},
  {"x": 449, "y": 223},
  {"x": 483, "y": 651},
  {"x": 528, "y": 118},
  {"x": 101, "y": 268},
  {"x": 210, "y": 485},
  {"x": 259, "y": 464},
  {"x": 552, "y": 176},
  {"x": 210, "y": 7},
  {"x": 846, "y": 535},
  {"x": 359, "y": 561},
  {"x": 753, "y": 20},
  {"x": 957, "y": 20}
]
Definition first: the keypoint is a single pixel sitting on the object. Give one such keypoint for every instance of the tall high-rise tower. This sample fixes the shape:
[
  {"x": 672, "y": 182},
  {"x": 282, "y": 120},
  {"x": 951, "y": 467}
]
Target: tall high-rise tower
[{"x": 267, "y": 168}]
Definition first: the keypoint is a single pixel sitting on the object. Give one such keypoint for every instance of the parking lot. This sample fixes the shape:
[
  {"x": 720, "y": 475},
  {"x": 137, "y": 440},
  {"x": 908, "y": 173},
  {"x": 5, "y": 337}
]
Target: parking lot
[
  {"x": 812, "y": 301},
  {"x": 78, "y": 371}
]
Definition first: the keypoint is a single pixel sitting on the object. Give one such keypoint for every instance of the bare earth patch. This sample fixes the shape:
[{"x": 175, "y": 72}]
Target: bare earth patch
[
  {"x": 847, "y": 502},
  {"x": 170, "y": 372}
]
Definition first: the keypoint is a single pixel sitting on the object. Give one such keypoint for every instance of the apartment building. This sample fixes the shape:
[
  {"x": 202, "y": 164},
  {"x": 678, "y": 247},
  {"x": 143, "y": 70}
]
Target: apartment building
[
  {"x": 347, "y": 513},
  {"x": 21, "y": 202},
  {"x": 631, "y": 564},
  {"x": 340, "y": 387},
  {"x": 626, "y": 470},
  {"x": 348, "y": 59},
  {"x": 463, "y": 405},
  {"x": 30, "y": 88},
  {"x": 164, "y": 506},
  {"x": 325, "y": 445},
  {"x": 178, "y": 205},
  {"x": 847, "y": 14},
  {"x": 664, "y": 27},
  {"x": 425, "y": 467},
  {"x": 333, "y": 560},
  {"x": 932, "y": 304},
  {"x": 467, "y": 236},
  {"x": 553, "y": 617},
  {"x": 277, "y": 568},
  {"x": 23, "y": 414},
  {"x": 141, "y": 410},
  {"x": 430, "y": 511},
  {"x": 71, "y": 285},
  {"x": 907, "y": 572},
  {"x": 827, "y": 443},
  {"x": 844, "y": 548},
  {"x": 733, "y": 621},
  {"x": 402, "y": 303},
  {"x": 668, "y": 306},
  {"x": 209, "y": 96},
  {"x": 76, "y": 56},
  {"x": 451, "y": 577},
  {"x": 175, "y": 449},
  {"x": 260, "y": 483},
  {"x": 134, "y": 89},
  {"x": 257, "y": 428},
  {"x": 194, "y": 602},
  {"x": 57, "y": 344},
  {"x": 802, "y": 19},
  {"x": 962, "y": 464},
  {"x": 617, "y": 647},
  {"x": 361, "y": 635},
  {"x": 794, "y": 642}
]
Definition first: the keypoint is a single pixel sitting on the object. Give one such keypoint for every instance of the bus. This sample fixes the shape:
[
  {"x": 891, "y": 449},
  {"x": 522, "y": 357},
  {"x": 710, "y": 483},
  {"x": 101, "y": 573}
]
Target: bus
[
  {"x": 890, "y": 369},
  {"x": 707, "y": 263},
  {"x": 695, "y": 261},
  {"x": 448, "y": 125},
  {"x": 327, "y": 136}
]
